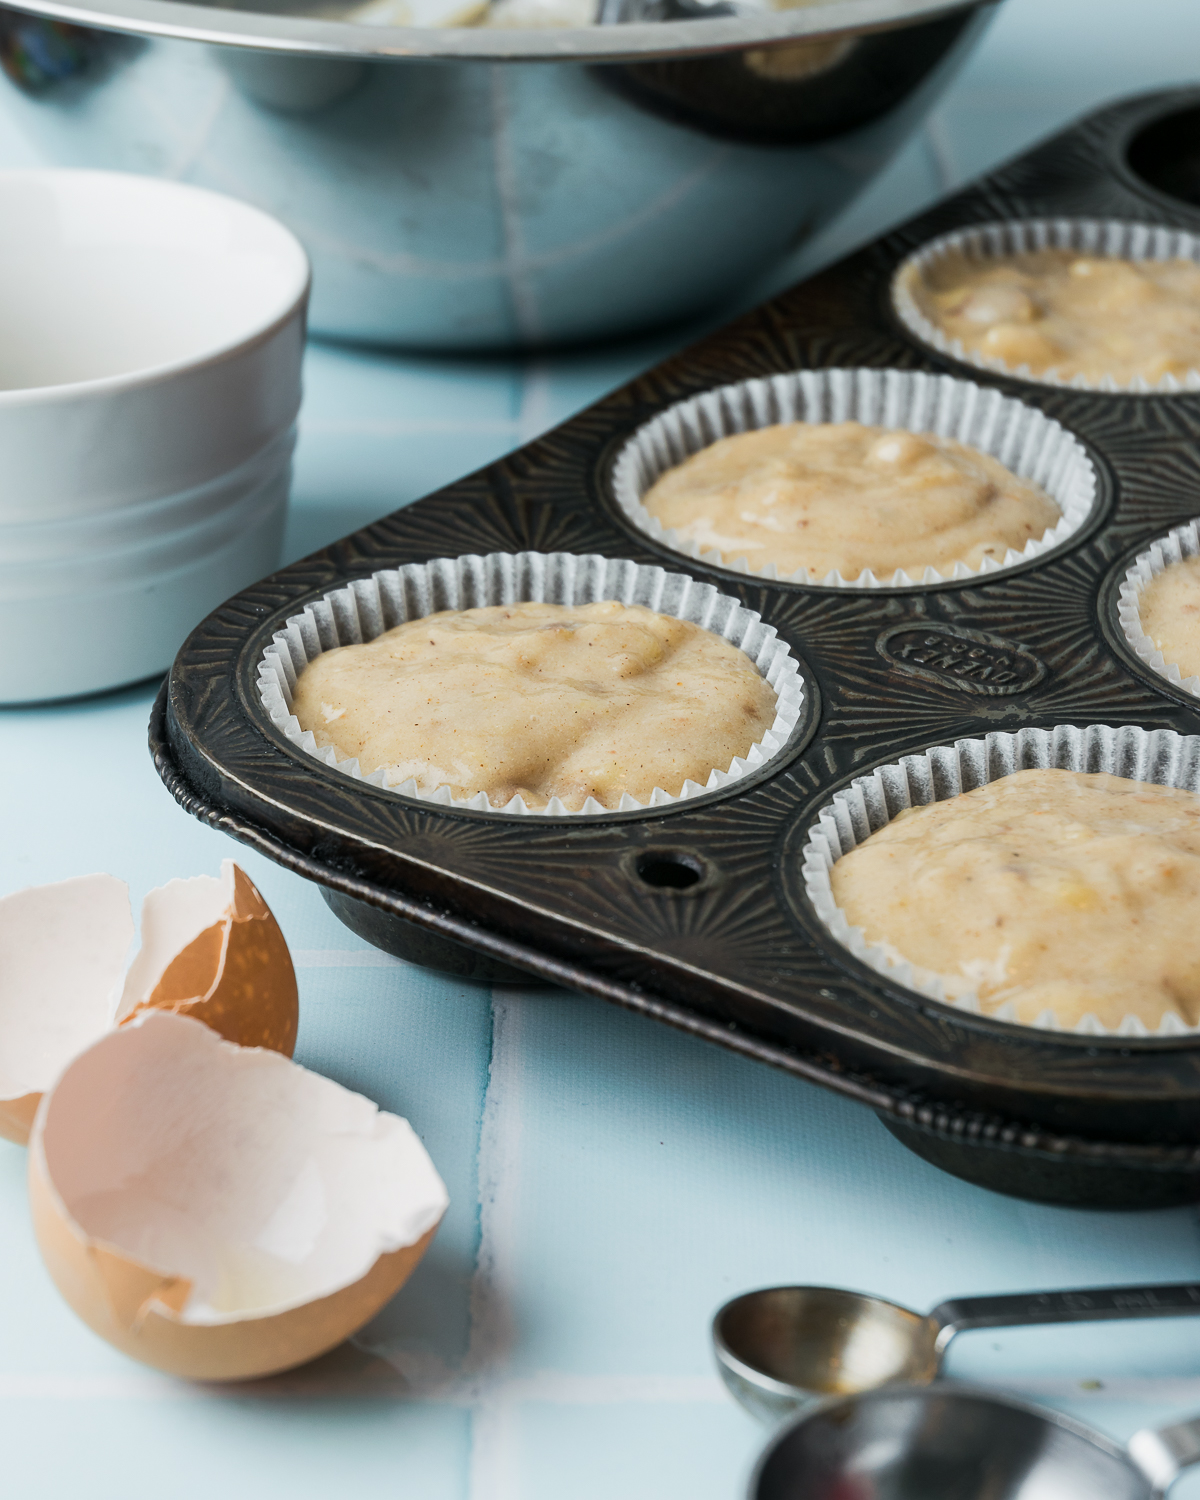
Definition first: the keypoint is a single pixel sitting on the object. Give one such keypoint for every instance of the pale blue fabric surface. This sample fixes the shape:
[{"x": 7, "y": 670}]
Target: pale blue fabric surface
[{"x": 611, "y": 1181}]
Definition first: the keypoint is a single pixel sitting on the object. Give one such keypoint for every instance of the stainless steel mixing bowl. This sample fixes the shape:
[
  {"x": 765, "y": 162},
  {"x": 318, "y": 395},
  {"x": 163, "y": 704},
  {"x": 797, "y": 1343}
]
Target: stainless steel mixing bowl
[{"x": 479, "y": 188}]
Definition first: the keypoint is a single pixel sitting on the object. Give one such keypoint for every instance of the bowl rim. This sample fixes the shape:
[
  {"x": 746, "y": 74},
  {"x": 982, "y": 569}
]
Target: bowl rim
[
  {"x": 301, "y": 36},
  {"x": 296, "y": 284}
]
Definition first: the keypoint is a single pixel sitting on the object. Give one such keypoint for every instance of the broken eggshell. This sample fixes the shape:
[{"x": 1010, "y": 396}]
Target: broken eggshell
[
  {"x": 210, "y": 949},
  {"x": 220, "y": 1212},
  {"x": 62, "y": 954}
]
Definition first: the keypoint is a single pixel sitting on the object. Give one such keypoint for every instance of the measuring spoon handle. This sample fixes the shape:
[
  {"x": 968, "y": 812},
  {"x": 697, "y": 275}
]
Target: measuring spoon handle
[
  {"x": 1162, "y": 1453},
  {"x": 1088, "y": 1305}
]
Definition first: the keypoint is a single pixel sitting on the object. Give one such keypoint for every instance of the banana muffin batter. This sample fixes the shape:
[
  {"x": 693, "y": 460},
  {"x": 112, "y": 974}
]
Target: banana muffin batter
[
  {"x": 1068, "y": 312},
  {"x": 540, "y": 700},
  {"x": 1169, "y": 608},
  {"x": 1056, "y": 890},
  {"x": 839, "y": 496}
]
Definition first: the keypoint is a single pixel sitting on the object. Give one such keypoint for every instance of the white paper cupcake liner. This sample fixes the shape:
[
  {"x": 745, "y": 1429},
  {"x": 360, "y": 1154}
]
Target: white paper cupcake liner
[
  {"x": 1027, "y": 442},
  {"x": 871, "y": 801},
  {"x": 370, "y": 606},
  {"x": 1109, "y": 239},
  {"x": 1182, "y": 541}
]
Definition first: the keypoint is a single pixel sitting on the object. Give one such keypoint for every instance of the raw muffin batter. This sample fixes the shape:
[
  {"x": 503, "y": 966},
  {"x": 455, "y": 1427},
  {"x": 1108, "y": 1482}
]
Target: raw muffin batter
[
  {"x": 840, "y": 496},
  {"x": 1169, "y": 607},
  {"x": 1071, "y": 313},
  {"x": 544, "y": 700},
  {"x": 1055, "y": 890}
]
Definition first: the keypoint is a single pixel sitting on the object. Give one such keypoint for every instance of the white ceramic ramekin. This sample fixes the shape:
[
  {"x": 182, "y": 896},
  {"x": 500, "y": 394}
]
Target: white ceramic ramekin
[{"x": 151, "y": 337}]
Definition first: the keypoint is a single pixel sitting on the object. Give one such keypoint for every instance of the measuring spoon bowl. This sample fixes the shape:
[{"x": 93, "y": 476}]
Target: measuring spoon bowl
[
  {"x": 790, "y": 1347},
  {"x": 945, "y": 1442}
]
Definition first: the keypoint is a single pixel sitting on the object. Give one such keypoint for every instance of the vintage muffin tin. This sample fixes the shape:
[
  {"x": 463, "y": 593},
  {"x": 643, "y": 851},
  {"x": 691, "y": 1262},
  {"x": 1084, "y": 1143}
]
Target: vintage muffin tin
[{"x": 696, "y": 914}]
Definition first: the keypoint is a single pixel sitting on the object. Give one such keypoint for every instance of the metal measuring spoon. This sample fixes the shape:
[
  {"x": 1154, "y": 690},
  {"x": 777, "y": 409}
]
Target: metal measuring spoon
[
  {"x": 959, "y": 1443},
  {"x": 787, "y": 1347}
]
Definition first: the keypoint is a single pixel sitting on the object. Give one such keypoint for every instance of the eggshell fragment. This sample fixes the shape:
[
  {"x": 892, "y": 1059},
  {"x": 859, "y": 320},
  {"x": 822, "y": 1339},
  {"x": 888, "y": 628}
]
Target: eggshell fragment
[
  {"x": 62, "y": 953},
  {"x": 212, "y": 950},
  {"x": 220, "y": 1212}
]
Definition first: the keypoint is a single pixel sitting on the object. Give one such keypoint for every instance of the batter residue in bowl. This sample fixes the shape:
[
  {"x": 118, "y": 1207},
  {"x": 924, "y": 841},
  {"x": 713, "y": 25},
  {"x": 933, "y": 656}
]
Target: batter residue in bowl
[
  {"x": 1169, "y": 609},
  {"x": 541, "y": 701},
  {"x": 1060, "y": 310},
  {"x": 843, "y": 497},
  {"x": 1051, "y": 890}
]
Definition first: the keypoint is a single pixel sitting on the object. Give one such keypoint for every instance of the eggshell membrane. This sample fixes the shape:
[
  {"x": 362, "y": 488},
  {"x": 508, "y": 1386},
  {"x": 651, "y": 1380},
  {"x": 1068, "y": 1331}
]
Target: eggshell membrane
[
  {"x": 212, "y": 950},
  {"x": 62, "y": 953},
  {"x": 220, "y": 1212}
]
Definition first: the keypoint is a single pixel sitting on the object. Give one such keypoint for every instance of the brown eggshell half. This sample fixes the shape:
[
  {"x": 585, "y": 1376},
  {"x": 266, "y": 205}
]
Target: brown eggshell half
[
  {"x": 212, "y": 950},
  {"x": 220, "y": 1212},
  {"x": 63, "y": 949},
  {"x": 16, "y": 1118}
]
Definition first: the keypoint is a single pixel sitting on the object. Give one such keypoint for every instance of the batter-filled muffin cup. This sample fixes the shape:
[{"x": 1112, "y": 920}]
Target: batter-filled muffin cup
[
  {"x": 1161, "y": 589},
  {"x": 1015, "y": 439},
  {"x": 366, "y": 609},
  {"x": 1127, "y": 317},
  {"x": 1120, "y": 864}
]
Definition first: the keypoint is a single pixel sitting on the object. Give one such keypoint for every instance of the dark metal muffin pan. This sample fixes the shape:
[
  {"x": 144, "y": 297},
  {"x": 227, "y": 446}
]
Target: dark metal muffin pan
[{"x": 696, "y": 914}]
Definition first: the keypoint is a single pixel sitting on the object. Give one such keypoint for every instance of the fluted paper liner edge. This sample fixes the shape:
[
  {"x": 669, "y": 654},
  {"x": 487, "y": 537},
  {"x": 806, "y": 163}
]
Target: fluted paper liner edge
[
  {"x": 1105, "y": 239},
  {"x": 872, "y": 800},
  {"x": 367, "y": 607},
  {"x": 1179, "y": 543},
  {"x": 1032, "y": 445}
]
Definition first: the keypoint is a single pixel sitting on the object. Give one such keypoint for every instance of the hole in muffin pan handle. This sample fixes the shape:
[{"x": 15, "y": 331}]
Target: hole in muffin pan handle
[{"x": 670, "y": 869}]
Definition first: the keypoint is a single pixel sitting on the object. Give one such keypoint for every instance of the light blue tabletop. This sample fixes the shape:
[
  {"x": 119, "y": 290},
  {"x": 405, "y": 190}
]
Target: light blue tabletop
[{"x": 611, "y": 1181}]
